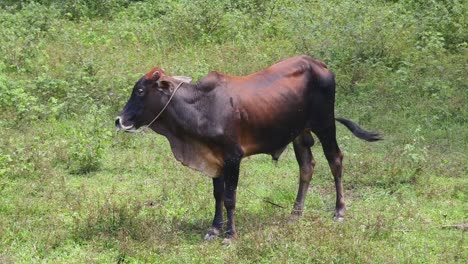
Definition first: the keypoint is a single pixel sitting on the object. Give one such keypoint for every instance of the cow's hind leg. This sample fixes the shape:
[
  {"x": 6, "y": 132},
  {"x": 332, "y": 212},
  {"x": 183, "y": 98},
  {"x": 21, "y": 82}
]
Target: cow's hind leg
[
  {"x": 218, "y": 193},
  {"x": 302, "y": 145},
  {"x": 335, "y": 159}
]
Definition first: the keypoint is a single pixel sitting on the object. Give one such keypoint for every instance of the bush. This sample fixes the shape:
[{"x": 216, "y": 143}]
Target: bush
[
  {"x": 23, "y": 33},
  {"x": 88, "y": 140},
  {"x": 446, "y": 20}
]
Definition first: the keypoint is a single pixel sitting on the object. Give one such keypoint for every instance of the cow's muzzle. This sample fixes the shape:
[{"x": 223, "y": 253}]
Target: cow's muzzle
[{"x": 120, "y": 126}]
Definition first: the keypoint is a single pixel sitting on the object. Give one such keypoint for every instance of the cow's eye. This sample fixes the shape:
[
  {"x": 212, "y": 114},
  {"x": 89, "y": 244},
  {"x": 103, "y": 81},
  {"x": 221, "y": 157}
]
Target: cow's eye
[{"x": 140, "y": 92}]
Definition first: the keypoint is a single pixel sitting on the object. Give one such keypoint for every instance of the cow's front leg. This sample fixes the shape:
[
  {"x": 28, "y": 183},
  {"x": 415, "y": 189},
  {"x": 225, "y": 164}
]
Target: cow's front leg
[
  {"x": 231, "y": 178},
  {"x": 218, "y": 193}
]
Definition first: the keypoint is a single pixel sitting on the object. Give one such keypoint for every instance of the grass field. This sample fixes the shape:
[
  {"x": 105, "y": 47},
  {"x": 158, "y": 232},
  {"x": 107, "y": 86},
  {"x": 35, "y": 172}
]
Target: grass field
[
  {"x": 144, "y": 206},
  {"x": 74, "y": 191}
]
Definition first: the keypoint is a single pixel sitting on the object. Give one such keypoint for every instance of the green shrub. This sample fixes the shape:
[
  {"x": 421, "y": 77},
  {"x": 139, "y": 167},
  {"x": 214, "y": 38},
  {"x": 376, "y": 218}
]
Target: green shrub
[
  {"x": 16, "y": 101},
  {"x": 20, "y": 104},
  {"x": 446, "y": 20},
  {"x": 89, "y": 138},
  {"x": 23, "y": 34}
]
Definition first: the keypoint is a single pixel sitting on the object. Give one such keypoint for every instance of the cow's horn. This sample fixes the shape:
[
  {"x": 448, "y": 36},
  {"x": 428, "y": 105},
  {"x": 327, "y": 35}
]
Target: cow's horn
[{"x": 156, "y": 75}]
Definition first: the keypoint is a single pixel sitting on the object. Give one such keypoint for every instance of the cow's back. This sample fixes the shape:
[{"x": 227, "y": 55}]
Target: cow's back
[{"x": 271, "y": 107}]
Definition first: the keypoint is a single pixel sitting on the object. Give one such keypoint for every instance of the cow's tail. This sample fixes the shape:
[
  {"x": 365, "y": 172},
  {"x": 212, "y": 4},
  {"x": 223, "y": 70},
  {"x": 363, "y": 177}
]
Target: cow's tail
[{"x": 358, "y": 131}]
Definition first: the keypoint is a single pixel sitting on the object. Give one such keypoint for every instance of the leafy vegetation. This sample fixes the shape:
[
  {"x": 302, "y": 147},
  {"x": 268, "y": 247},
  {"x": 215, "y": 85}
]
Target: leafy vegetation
[{"x": 71, "y": 190}]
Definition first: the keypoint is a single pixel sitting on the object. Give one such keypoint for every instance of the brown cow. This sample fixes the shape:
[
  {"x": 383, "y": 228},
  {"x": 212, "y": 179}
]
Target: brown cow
[{"x": 215, "y": 123}]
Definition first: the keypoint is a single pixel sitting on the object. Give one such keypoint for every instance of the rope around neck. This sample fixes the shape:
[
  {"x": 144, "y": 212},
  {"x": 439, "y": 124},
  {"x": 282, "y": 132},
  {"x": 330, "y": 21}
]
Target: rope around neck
[{"x": 164, "y": 108}]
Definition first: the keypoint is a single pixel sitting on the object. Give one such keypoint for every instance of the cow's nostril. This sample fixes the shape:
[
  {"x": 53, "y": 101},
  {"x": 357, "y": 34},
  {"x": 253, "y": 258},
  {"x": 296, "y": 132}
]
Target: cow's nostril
[{"x": 120, "y": 125}]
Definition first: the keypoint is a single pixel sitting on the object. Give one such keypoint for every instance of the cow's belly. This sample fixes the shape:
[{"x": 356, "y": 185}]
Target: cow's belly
[
  {"x": 270, "y": 139},
  {"x": 269, "y": 122}
]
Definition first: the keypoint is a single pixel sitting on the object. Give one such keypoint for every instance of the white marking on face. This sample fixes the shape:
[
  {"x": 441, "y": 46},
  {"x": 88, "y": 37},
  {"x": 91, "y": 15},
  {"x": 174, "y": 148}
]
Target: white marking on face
[{"x": 121, "y": 126}]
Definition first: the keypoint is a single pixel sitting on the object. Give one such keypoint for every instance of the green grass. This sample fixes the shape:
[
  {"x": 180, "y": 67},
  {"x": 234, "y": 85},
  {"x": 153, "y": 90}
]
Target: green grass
[
  {"x": 144, "y": 206},
  {"x": 73, "y": 191}
]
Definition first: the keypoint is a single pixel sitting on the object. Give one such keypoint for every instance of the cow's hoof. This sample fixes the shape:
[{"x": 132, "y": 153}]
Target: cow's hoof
[
  {"x": 213, "y": 233},
  {"x": 230, "y": 237},
  {"x": 338, "y": 218},
  {"x": 293, "y": 218},
  {"x": 227, "y": 241}
]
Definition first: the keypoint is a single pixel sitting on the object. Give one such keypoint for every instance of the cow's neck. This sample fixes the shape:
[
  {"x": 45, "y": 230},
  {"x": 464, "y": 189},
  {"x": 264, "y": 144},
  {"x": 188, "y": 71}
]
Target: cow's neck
[
  {"x": 184, "y": 111},
  {"x": 180, "y": 124}
]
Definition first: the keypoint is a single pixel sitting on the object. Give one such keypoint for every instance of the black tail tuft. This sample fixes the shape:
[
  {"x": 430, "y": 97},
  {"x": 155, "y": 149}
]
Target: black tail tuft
[{"x": 358, "y": 131}]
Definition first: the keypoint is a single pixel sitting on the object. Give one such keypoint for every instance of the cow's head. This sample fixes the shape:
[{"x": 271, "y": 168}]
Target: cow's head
[{"x": 149, "y": 96}]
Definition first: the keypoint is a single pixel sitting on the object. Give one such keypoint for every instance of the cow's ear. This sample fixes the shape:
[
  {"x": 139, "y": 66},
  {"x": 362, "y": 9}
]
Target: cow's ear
[{"x": 165, "y": 85}]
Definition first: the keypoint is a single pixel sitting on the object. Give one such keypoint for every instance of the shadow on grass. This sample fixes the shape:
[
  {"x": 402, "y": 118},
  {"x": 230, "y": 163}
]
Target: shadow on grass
[{"x": 151, "y": 223}]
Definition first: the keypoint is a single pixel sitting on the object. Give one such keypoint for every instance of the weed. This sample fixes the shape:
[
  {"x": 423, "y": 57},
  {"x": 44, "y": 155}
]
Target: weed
[{"x": 89, "y": 140}]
